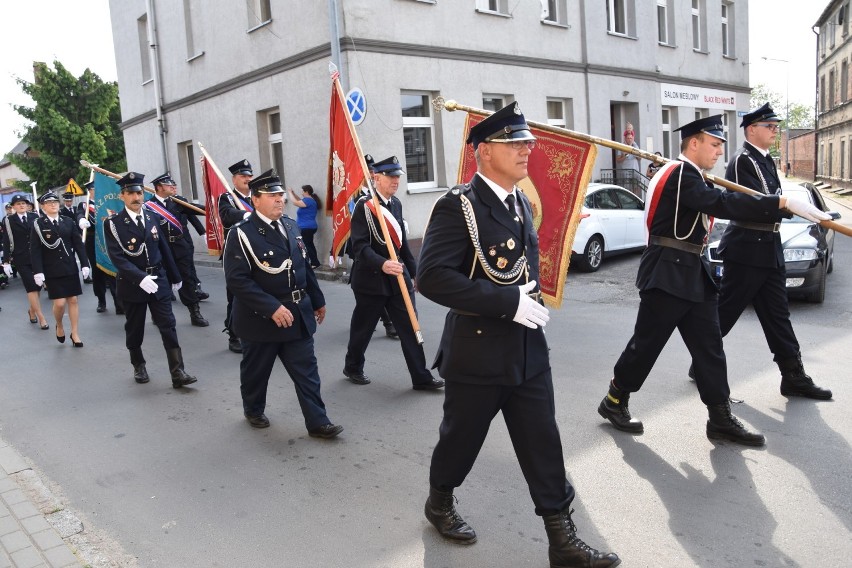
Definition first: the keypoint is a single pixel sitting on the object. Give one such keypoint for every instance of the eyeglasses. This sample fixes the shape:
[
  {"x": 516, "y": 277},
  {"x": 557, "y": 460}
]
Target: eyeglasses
[
  {"x": 516, "y": 144},
  {"x": 773, "y": 126}
]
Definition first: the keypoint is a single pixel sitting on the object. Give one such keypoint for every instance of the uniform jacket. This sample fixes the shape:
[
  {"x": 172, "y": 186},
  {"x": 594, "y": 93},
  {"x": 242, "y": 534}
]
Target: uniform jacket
[
  {"x": 16, "y": 239},
  {"x": 179, "y": 239},
  {"x": 686, "y": 274},
  {"x": 749, "y": 167},
  {"x": 369, "y": 254},
  {"x": 58, "y": 261},
  {"x": 482, "y": 345},
  {"x": 128, "y": 238},
  {"x": 68, "y": 212},
  {"x": 228, "y": 210}
]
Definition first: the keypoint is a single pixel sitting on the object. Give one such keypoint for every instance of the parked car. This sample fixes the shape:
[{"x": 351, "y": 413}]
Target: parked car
[
  {"x": 808, "y": 247},
  {"x": 611, "y": 222}
]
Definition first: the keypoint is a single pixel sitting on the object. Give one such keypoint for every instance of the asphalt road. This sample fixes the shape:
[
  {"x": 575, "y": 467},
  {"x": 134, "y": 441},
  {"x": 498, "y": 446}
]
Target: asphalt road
[{"x": 179, "y": 479}]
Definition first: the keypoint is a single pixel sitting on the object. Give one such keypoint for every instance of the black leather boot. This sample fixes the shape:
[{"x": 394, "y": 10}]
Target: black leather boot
[
  {"x": 195, "y": 316},
  {"x": 179, "y": 377},
  {"x": 568, "y": 551},
  {"x": 441, "y": 512},
  {"x": 614, "y": 408},
  {"x": 723, "y": 425},
  {"x": 796, "y": 382},
  {"x": 140, "y": 373}
]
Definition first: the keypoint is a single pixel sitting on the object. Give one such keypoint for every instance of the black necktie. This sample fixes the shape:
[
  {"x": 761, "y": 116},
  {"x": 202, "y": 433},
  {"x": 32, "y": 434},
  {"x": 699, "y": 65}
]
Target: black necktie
[
  {"x": 140, "y": 223},
  {"x": 279, "y": 230},
  {"x": 24, "y": 220},
  {"x": 510, "y": 201},
  {"x": 56, "y": 223}
]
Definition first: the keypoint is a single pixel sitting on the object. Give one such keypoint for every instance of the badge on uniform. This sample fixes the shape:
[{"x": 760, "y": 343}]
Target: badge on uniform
[
  {"x": 502, "y": 262},
  {"x": 154, "y": 232},
  {"x": 492, "y": 251},
  {"x": 510, "y": 244}
]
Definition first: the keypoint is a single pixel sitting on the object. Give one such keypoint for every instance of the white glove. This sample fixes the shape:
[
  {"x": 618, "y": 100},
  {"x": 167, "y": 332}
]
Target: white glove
[
  {"x": 83, "y": 224},
  {"x": 530, "y": 313},
  {"x": 149, "y": 285},
  {"x": 805, "y": 209},
  {"x": 331, "y": 261},
  {"x": 85, "y": 270},
  {"x": 7, "y": 268},
  {"x": 247, "y": 215},
  {"x": 176, "y": 286},
  {"x": 39, "y": 278}
]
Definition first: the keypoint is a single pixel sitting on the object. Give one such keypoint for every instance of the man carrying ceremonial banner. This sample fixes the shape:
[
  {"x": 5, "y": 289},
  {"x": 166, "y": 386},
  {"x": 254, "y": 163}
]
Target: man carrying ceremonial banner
[
  {"x": 346, "y": 168},
  {"x": 558, "y": 173},
  {"x": 213, "y": 190}
]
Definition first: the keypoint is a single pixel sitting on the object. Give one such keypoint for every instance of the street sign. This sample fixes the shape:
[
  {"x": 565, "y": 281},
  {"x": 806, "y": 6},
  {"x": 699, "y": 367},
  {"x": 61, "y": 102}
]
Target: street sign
[
  {"x": 74, "y": 188},
  {"x": 356, "y": 103}
]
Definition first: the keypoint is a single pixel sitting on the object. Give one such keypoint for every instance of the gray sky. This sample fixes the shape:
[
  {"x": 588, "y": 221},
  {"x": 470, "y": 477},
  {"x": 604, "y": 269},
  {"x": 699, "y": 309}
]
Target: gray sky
[{"x": 78, "y": 33}]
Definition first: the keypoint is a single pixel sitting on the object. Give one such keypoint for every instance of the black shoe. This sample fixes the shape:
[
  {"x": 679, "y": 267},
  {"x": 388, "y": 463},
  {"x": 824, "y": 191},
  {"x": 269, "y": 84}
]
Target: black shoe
[
  {"x": 87, "y": 280},
  {"x": 390, "y": 331},
  {"x": 258, "y": 421},
  {"x": 614, "y": 408},
  {"x": 431, "y": 385},
  {"x": 140, "y": 373},
  {"x": 691, "y": 373},
  {"x": 796, "y": 382},
  {"x": 325, "y": 431},
  {"x": 441, "y": 512},
  {"x": 723, "y": 425},
  {"x": 119, "y": 311},
  {"x": 195, "y": 316},
  {"x": 568, "y": 551},
  {"x": 201, "y": 294},
  {"x": 101, "y": 307},
  {"x": 235, "y": 345},
  {"x": 357, "y": 378}
]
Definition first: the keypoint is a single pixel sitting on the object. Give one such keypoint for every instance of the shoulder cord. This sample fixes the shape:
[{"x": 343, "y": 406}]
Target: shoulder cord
[
  {"x": 142, "y": 247},
  {"x": 677, "y": 208},
  {"x": 499, "y": 277},
  {"x": 759, "y": 173},
  {"x": 11, "y": 236},
  {"x": 58, "y": 242},
  {"x": 248, "y": 251}
]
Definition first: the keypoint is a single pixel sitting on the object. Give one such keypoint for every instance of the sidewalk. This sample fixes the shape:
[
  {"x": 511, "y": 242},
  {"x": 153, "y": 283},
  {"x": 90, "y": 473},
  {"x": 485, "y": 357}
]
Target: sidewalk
[{"x": 27, "y": 538}]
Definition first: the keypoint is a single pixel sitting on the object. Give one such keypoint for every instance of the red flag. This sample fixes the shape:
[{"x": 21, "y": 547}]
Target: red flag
[
  {"x": 559, "y": 171},
  {"x": 345, "y": 172},
  {"x": 213, "y": 188}
]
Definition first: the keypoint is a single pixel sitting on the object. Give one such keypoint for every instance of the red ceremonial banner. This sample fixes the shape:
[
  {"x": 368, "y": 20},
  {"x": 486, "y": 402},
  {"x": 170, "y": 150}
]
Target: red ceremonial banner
[
  {"x": 213, "y": 188},
  {"x": 559, "y": 171},
  {"x": 345, "y": 174}
]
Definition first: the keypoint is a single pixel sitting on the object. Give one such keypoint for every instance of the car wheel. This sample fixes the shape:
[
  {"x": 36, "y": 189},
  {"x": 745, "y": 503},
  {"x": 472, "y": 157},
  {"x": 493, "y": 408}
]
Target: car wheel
[
  {"x": 592, "y": 256},
  {"x": 818, "y": 296}
]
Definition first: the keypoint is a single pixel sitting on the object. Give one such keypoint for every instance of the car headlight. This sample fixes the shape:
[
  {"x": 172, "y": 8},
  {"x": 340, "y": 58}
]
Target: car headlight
[{"x": 793, "y": 255}]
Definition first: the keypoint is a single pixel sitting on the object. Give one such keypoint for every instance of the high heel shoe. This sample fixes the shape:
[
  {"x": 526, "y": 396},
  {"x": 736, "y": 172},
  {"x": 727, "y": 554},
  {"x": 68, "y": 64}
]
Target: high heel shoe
[
  {"x": 45, "y": 325},
  {"x": 32, "y": 317},
  {"x": 61, "y": 338},
  {"x": 76, "y": 343}
]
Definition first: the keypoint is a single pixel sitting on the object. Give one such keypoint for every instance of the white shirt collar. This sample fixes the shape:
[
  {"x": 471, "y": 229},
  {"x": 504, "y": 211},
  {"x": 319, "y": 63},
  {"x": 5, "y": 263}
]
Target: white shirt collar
[
  {"x": 134, "y": 215},
  {"x": 498, "y": 191},
  {"x": 265, "y": 219},
  {"x": 764, "y": 152},
  {"x": 54, "y": 219},
  {"x": 683, "y": 158}
]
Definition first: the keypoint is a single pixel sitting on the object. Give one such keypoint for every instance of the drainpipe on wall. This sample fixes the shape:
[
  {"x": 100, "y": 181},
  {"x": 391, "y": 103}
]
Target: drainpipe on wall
[
  {"x": 335, "y": 42},
  {"x": 153, "y": 44},
  {"x": 815, "y": 29}
]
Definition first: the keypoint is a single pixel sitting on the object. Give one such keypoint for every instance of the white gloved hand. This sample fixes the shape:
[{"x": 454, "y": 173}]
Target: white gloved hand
[
  {"x": 530, "y": 313},
  {"x": 805, "y": 209},
  {"x": 85, "y": 271},
  {"x": 7, "y": 268},
  {"x": 39, "y": 278},
  {"x": 247, "y": 215},
  {"x": 176, "y": 286},
  {"x": 83, "y": 224},
  {"x": 149, "y": 285},
  {"x": 330, "y": 261}
]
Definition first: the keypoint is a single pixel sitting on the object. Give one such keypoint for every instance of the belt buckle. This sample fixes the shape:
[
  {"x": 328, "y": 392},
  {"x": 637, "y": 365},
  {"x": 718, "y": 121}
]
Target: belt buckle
[
  {"x": 703, "y": 248},
  {"x": 776, "y": 227},
  {"x": 297, "y": 296}
]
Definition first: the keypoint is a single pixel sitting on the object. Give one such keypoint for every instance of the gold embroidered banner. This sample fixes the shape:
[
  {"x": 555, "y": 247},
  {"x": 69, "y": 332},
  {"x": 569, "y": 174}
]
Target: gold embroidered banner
[{"x": 559, "y": 171}]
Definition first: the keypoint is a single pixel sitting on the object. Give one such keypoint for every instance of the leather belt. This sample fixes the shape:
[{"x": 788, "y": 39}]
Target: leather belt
[
  {"x": 173, "y": 239},
  {"x": 153, "y": 269},
  {"x": 295, "y": 296},
  {"x": 768, "y": 227},
  {"x": 676, "y": 244}
]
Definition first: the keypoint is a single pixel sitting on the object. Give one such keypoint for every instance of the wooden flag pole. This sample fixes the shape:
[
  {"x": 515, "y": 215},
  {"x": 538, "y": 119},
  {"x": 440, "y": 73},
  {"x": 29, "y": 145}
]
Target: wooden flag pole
[
  {"x": 237, "y": 198},
  {"x": 439, "y": 103},
  {"x": 400, "y": 278},
  {"x": 95, "y": 168},
  {"x": 86, "y": 211}
]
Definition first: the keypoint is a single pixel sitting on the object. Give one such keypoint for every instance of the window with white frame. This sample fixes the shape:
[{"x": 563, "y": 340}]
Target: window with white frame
[
  {"x": 554, "y": 11},
  {"x": 666, "y": 123},
  {"x": 699, "y": 32},
  {"x": 664, "y": 23},
  {"x": 616, "y": 16},
  {"x": 493, "y": 102},
  {"x": 418, "y": 133},
  {"x": 275, "y": 141},
  {"x": 702, "y": 113},
  {"x": 192, "y": 36},
  {"x": 831, "y": 89},
  {"x": 728, "y": 22},
  {"x": 844, "y": 81},
  {"x": 726, "y": 120},
  {"x": 493, "y": 6},
  {"x": 822, "y": 107},
  {"x": 144, "y": 53},
  {"x": 259, "y": 13},
  {"x": 188, "y": 179},
  {"x": 560, "y": 113}
]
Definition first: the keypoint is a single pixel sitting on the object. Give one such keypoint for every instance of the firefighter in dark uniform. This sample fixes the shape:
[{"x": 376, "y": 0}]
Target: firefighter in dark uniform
[
  {"x": 374, "y": 280},
  {"x": 231, "y": 214},
  {"x": 147, "y": 275},
  {"x": 480, "y": 258},
  {"x": 101, "y": 281},
  {"x": 16, "y": 250},
  {"x": 277, "y": 306},
  {"x": 174, "y": 229},
  {"x": 677, "y": 290},
  {"x": 67, "y": 207},
  {"x": 753, "y": 259}
]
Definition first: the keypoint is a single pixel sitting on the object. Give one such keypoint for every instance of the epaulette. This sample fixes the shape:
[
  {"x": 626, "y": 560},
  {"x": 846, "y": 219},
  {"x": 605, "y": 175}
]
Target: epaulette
[
  {"x": 458, "y": 190},
  {"x": 238, "y": 223}
]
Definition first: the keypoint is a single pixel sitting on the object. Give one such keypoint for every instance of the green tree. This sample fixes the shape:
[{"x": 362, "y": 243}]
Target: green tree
[
  {"x": 73, "y": 118},
  {"x": 801, "y": 115}
]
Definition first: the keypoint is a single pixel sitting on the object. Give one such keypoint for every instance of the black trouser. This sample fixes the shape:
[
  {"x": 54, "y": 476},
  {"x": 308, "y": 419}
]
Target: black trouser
[
  {"x": 529, "y": 412},
  {"x": 228, "y": 325},
  {"x": 187, "y": 292},
  {"x": 659, "y": 315},
  {"x": 308, "y": 238},
  {"x": 766, "y": 290},
  {"x": 161, "y": 314},
  {"x": 365, "y": 316}
]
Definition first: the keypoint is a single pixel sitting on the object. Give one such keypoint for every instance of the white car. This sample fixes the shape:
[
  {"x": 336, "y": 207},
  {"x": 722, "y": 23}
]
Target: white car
[{"x": 612, "y": 221}]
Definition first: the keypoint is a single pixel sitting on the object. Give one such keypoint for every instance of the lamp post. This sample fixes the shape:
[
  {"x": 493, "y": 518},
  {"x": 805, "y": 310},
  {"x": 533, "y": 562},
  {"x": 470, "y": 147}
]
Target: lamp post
[{"x": 786, "y": 113}]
